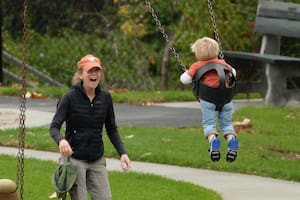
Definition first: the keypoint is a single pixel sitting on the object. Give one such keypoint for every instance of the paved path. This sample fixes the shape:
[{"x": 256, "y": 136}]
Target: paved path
[
  {"x": 176, "y": 114},
  {"x": 231, "y": 186}
]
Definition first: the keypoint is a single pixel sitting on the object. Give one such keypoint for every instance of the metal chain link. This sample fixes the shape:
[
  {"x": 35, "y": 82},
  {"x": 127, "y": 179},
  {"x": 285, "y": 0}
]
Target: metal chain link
[
  {"x": 164, "y": 34},
  {"x": 214, "y": 24},
  {"x": 22, "y": 117}
]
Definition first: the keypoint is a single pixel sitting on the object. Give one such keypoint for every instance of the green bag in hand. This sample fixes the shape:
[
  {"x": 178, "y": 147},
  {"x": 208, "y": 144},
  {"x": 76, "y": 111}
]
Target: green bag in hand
[{"x": 64, "y": 178}]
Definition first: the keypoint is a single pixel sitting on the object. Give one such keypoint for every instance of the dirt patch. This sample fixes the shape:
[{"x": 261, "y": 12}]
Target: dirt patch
[{"x": 285, "y": 155}]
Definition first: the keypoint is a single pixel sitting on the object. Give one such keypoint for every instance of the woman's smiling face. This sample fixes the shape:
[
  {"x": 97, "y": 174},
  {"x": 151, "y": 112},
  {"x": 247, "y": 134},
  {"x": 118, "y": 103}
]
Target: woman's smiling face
[{"x": 91, "y": 78}]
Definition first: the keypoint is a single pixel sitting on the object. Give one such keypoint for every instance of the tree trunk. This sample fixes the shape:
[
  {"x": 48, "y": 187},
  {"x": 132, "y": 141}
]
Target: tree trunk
[
  {"x": 165, "y": 69},
  {"x": 1, "y": 47}
]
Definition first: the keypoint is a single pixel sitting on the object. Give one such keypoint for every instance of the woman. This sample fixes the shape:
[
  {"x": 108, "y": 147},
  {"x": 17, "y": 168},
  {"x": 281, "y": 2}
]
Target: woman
[{"x": 85, "y": 109}]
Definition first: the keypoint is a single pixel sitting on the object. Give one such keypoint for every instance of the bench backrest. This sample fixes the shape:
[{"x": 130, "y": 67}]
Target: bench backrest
[{"x": 278, "y": 18}]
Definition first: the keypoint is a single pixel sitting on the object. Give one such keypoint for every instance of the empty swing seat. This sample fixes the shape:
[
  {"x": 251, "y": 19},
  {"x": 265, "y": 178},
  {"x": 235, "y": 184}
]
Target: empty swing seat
[{"x": 8, "y": 190}]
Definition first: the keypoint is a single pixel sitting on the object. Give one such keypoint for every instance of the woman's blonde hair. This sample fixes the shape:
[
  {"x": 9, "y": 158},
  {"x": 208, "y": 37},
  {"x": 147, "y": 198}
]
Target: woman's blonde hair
[
  {"x": 76, "y": 77},
  {"x": 205, "y": 48}
]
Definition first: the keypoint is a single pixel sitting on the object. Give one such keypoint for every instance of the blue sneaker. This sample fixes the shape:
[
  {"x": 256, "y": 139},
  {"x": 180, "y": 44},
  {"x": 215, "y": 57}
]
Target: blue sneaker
[
  {"x": 232, "y": 150},
  {"x": 215, "y": 150}
]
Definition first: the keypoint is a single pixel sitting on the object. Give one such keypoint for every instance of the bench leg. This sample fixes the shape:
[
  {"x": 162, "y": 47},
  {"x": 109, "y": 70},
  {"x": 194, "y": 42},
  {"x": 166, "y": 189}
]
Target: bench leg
[{"x": 277, "y": 86}]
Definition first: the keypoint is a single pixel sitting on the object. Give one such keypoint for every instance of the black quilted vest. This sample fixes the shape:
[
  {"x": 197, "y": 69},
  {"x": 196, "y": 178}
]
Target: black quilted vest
[{"x": 85, "y": 124}]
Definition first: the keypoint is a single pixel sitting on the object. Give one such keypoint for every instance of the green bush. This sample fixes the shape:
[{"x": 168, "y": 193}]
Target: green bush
[{"x": 125, "y": 37}]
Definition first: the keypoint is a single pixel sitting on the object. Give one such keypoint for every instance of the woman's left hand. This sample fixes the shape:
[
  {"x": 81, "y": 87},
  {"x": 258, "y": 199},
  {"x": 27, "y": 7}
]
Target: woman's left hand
[{"x": 125, "y": 162}]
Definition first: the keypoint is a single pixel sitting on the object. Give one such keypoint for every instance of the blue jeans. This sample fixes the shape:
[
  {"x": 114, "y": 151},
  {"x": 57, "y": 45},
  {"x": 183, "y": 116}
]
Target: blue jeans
[{"x": 210, "y": 116}]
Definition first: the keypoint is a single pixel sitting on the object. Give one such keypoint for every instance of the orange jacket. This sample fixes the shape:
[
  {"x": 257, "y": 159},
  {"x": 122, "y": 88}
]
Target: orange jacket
[{"x": 210, "y": 78}]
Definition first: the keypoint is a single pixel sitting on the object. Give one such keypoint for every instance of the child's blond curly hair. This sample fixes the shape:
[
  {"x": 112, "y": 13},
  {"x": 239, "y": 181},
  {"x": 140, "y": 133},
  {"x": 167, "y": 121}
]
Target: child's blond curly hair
[{"x": 205, "y": 48}]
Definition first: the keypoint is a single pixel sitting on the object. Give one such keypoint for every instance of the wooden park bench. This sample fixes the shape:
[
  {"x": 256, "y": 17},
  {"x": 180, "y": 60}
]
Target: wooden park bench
[{"x": 274, "y": 19}]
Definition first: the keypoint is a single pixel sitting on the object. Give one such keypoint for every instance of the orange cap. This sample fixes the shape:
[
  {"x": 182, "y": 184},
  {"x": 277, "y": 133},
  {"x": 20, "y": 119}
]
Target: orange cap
[{"x": 87, "y": 62}]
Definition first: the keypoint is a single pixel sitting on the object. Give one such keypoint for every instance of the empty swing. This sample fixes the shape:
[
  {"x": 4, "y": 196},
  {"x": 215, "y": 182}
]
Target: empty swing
[
  {"x": 219, "y": 95},
  {"x": 9, "y": 190}
]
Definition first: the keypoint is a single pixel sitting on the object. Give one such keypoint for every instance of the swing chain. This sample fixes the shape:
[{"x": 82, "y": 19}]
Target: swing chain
[
  {"x": 22, "y": 117},
  {"x": 214, "y": 24},
  {"x": 164, "y": 34}
]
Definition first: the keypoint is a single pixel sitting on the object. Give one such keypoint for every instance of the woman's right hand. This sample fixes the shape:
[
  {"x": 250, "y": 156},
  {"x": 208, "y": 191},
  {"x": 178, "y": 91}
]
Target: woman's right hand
[{"x": 65, "y": 148}]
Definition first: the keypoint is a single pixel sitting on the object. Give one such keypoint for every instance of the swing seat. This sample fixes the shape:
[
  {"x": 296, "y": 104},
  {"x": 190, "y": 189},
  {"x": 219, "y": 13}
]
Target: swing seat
[
  {"x": 220, "y": 95},
  {"x": 8, "y": 190}
]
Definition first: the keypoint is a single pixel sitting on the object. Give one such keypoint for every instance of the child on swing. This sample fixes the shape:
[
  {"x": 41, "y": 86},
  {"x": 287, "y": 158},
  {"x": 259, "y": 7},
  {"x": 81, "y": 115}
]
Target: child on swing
[{"x": 206, "y": 51}]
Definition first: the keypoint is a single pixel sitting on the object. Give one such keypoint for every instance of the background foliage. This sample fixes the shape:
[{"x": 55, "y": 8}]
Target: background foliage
[{"x": 122, "y": 33}]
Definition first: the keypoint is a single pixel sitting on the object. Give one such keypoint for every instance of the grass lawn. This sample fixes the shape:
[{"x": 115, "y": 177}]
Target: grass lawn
[
  {"x": 125, "y": 186},
  {"x": 271, "y": 147},
  {"x": 122, "y": 96}
]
